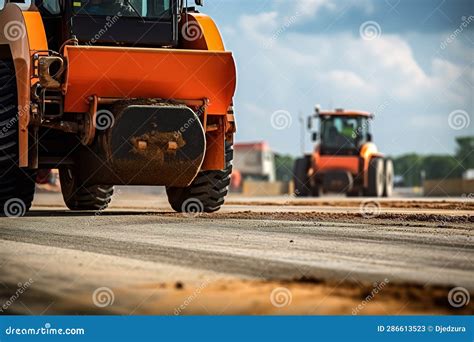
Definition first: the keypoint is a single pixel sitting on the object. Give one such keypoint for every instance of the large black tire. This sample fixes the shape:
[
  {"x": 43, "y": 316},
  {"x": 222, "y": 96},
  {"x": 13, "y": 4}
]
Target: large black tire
[
  {"x": 17, "y": 185},
  {"x": 301, "y": 179},
  {"x": 316, "y": 190},
  {"x": 376, "y": 178},
  {"x": 208, "y": 190},
  {"x": 356, "y": 192},
  {"x": 388, "y": 181},
  {"x": 79, "y": 197}
]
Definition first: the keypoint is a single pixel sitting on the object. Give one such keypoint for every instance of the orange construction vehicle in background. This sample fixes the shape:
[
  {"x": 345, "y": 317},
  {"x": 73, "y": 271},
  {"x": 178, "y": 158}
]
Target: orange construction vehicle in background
[
  {"x": 134, "y": 92},
  {"x": 345, "y": 160}
]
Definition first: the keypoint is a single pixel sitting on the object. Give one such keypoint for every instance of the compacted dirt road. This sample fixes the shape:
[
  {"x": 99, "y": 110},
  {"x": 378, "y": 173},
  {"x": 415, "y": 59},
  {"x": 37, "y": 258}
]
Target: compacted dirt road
[{"x": 279, "y": 256}]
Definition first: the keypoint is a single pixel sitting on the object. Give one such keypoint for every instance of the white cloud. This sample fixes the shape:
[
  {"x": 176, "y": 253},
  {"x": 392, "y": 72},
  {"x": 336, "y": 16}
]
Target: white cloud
[
  {"x": 310, "y": 8},
  {"x": 344, "y": 81},
  {"x": 298, "y": 70},
  {"x": 260, "y": 23}
]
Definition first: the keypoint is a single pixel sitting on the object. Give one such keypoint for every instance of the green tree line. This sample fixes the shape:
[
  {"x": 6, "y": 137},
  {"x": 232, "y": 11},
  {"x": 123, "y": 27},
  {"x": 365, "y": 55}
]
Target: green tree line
[{"x": 410, "y": 166}]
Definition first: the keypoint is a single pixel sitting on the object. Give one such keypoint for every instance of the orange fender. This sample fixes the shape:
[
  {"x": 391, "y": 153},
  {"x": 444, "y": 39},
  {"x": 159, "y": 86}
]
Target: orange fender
[
  {"x": 367, "y": 152},
  {"x": 199, "y": 32},
  {"x": 22, "y": 34}
]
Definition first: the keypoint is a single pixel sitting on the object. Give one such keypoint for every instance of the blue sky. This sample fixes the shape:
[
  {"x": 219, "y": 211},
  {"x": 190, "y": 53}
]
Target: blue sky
[{"x": 391, "y": 57}]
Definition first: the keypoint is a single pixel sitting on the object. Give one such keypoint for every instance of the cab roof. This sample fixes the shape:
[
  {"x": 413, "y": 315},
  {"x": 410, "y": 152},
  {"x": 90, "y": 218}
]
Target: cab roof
[{"x": 344, "y": 112}]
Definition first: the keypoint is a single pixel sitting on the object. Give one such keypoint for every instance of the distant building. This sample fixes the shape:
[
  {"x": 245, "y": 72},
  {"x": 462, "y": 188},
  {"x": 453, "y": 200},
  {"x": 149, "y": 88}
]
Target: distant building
[
  {"x": 468, "y": 174},
  {"x": 254, "y": 161}
]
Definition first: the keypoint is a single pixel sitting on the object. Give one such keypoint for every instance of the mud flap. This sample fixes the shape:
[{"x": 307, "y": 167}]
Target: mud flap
[{"x": 146, "y": 145}]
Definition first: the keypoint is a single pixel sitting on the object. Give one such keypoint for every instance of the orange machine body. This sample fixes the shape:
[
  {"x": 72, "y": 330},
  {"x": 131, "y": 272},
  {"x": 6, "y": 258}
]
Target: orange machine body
[
  {"x": 26, "y": 36},
  {"x": 344, "y": 160},
  {"x": 149, "y": 73},
  {"x": 170, "y": 74},
  {"x": 329, "y": 163},
  {"x": 199, "y": 69},
  {"x": 358, "y": 166},
  {"x": 207, "y": 37}
]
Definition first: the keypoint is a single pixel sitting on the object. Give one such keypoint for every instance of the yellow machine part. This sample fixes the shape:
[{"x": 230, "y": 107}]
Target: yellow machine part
[
  {"x": 35, "y": 31},
  {"x": 199, "y": 32},
  {"x": 367, "y": 152}
]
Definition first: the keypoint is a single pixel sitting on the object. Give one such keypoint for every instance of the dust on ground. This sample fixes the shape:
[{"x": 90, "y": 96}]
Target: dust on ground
[
  {"x": 455, "y": 204},
  {"x": 355, "y": 217},
  {"x": 243, "y": 297}
]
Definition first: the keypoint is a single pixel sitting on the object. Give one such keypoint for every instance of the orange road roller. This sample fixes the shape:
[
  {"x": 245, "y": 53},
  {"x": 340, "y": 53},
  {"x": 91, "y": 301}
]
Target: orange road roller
[
  {"x": 114, "y": 92},
  {"x": 345, "y": 160}
]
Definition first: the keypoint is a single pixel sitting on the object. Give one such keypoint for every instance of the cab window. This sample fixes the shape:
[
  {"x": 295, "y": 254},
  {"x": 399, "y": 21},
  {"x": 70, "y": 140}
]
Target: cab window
[{"x": 50, "y": 6}]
